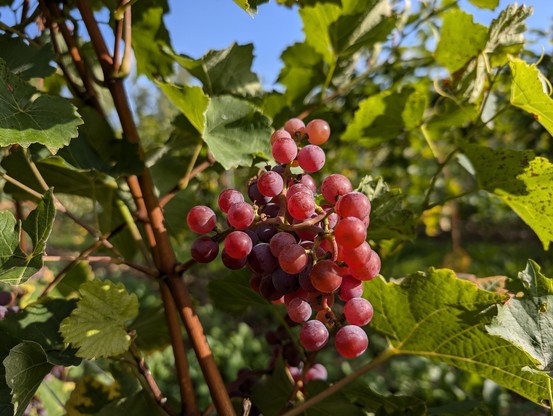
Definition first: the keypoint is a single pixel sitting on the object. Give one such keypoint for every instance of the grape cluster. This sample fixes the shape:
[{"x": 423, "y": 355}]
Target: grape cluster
[{"x": 305, "y": 246}]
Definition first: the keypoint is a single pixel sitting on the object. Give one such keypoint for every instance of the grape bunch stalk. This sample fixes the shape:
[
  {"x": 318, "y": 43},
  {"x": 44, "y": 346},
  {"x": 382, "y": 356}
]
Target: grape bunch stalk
[{"x": 305, "y": 246}]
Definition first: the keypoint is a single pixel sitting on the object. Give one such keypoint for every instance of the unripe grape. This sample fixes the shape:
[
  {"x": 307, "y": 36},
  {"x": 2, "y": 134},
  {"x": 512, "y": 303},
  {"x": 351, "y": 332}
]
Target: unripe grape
[{"x": 318, "y": 131}]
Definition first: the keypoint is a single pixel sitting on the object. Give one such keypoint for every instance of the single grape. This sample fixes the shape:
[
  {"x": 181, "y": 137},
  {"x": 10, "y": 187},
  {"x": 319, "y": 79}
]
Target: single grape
[
  {"x": 291, "y": 354},
  {"x": 293, "y": 260},
  {"x": 301, "y": 206},
  {"x": 295, "y": 127},
  {"x": 308, "y": 181},
  {"x": 325, "y": 276},
  {"x": 255, "y": 196},
  {"x": 265, "y": 232},
  {"x": 318, "y": 131},
  {"x": 358, "y": 311},
  {"x": 271, "y": 210},
  {"x": 270, "y": 184},
  {"x": 358, "y": 256},
  {"x": 350, "y": 232},
  {"x": 368, "y": 270},
  {"x": 260, "y": 260},
  {"x": 6, "y": 298},
  {"x": 350, "y": 288},
  {"x": 354, "y": 204},
  {"x": 232, "y": 263},
  {"x": 204, "y": 249},
  {"x": 238, "y": 244},
  {"x": 201, "y": 219},
  {"x": 351, "y": 341},
  {"x": 313, "y": 335},
  {"x": 285, "y": 282},
  {"x": 229, "y": 197},
  {"x": 334, "y": 186},
  {"x": 241, "y": 215},
  {"x": 300, "y": 293},
  {"x": 280, "y": 241},
  {"x": 316, "y": 372},
  {"x": 298, "y": 188},
  {"x": 268, "y": 290},
  {"x": 284, "y": 150},
  {"x": 305, "y": 278},
  {"x": 299, "y": 310},
  {"x": 280, "y": 134},
  {"x": 311, "y": 158}
]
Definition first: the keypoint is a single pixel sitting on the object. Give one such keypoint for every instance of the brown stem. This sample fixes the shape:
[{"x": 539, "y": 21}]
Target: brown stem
[
  {"x": 144, "y": 370},
  {"x": 165, "y": 258},
  {"x": 189, "y": 406}
]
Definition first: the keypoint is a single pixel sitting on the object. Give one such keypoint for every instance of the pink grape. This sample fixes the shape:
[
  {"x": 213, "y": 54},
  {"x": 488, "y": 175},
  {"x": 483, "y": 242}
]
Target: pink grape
[
  {"x": 350, "y": 288},
  {"x": 280, "y": 134},
  {"x": 238, "y": 244},
  {"x": 280, "y": 241},
  {"x": 325, "y": 276},
  {"x": 358, "y": 311},
  {"x": 241, "y": 215},
  {"x": 204, "y": 250},
  {"x": 293, "y": 260},
  {"x": 301, "y": 206},
  {"x": 308, "y": 181},
  {"x": 284, "y": 150},
  {"x": 260, "y": 260},
  {"x": 334, "y": 186},
  {"x": 316, "y": 372},
  {"x": 358, "y": 256},
  {"x": 295, "y": 127},
  {"x": 201, "y": 219},
  {"x": 368, "y": 270},
  {"x": 229, "y": 197},
  {"x": 298, "y": 188},
  {"x": 318, "y": 131},
  {"x": 270, "y": 184},
  {"x": 351, "y": 341},
  {"x": 350, "y": 232},
  {"x": 313, "y": 335},
  {"x": 354, "y": 204},
  {"x": 299, "y": 310},
  {"x": 311, "y": 158}
]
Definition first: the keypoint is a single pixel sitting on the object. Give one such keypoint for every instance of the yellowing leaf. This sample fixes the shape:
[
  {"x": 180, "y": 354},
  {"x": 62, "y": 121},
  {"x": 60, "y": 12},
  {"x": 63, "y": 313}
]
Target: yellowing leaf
[
  {"x": 97, "y": 325},
  {"x": 527, "y": 92}
]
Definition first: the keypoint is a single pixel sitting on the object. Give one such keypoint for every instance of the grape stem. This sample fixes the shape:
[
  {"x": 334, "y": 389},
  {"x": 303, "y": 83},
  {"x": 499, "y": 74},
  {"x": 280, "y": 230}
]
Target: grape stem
[{"x": 380, "y": 359}]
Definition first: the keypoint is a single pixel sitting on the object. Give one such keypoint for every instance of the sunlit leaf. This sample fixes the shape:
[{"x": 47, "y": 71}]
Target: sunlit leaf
[
  {"x": 441, "y": 317},
  {"x": 97, "y": 325},
  {"x": 191, "y": 101},
  {"x": 26, "y": 118},
  {"x": 528, "y": 91},
  {"x": 522, "y": 180}
]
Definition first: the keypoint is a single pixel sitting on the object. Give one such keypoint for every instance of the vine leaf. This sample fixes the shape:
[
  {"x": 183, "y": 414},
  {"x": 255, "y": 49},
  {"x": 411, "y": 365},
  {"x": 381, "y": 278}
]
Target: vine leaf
[
  {"x": 522, "y": 180},
  {"x": 17, "y": 266},
  {"x": 527, "y": 92},
  {"x": 527, "y": 321},
  {"x": 485, "y": 4},
  {"x": 439, "y": 316},
  {"x": 25, "y": 119},
  {"x": 236, "y": 131},
  {"x": 272, "y": 393},
  {"x": 97, "y": 325},
  {"x": 190, "y": 100},
  {"x": 25, "y": 366},
  {"x": 25, "y": 60}
]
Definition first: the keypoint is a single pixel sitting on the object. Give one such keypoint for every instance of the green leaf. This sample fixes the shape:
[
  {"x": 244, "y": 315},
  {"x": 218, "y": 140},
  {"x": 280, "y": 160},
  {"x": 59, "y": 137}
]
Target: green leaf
[
  {"x": 150, "y": 39},
  {"x": 485, "y": 4},
  {"x": 385, "y": 116},
  {"x": 25, "y": 60},
  {"x": 522, "y": 180},
  {"x": 272, "y": 393},
  {"x": 26, "y": 119},
  {"x": 97, "y": 325},
  {"x": 191, "y": 101},
  {"x": 68, "y": 287},
  {"x": 388, "y": 217},
  {"x": 460, "y": 40},
  {"x": 527, "y": 321},
  {"x": 302, "y": 71},
  {"x": 151, "y": 328},
  {"x": 528, "y": 92},
  {"x": 316, "y": 21},
  {"x": 233, "y": 294},
  {"x": 17, "y": 266},
  {"x": 226, "y": 71},
  {"x": 506, "y": 34},
  {"x": 25, "y": 366},
  {"x": 385, "y": 405},
  {"x": 439, "y": 316},
  {"x": 140, "y": 404},
  {"x": 236, "y": 132}
]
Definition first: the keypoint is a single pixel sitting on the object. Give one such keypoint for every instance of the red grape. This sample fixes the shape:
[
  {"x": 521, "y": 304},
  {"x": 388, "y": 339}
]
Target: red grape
[
  {"x": 325, "y": 276},
  {"x": 201, "y": 219},
  {"x": 270, "y": 184},
  {"x": 204, "y": 250},
  {"x": 229, "y": 197},
  {"x": 318, "y": 131},
  {"x": 284, "y": 150},
  {"x": 351, "y": 341},
  {"x": 350, "y": 288},
  {"x": 299, "y": 310},
  {"x": 334, "y": 186},
  {"x": 358, "y": 311},
  {"x": 241, "y": 215},
  {"x": 350, "y": 232},
  {"x": 280, "y": 134},
  {"x": 313, "y": 335},
  {"x": 354, "y": 204},
  {"x": 301, "y": 206},
  {"x": 280, "y": 241},
  {"x": 311, "y": 158},
  {"x": 293, "y": 260},
  {"x": 295, "y": 127},
  {"x": 238, "y": 244}
]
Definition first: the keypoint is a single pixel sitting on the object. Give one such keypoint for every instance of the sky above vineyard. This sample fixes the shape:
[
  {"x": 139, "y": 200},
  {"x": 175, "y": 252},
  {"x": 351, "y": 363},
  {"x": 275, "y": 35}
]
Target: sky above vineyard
[{"x": 197, "y": 27}]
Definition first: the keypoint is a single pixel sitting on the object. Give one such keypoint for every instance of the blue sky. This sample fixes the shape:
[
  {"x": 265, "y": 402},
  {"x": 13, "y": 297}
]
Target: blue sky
[{"x": 198, "y": 26}]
